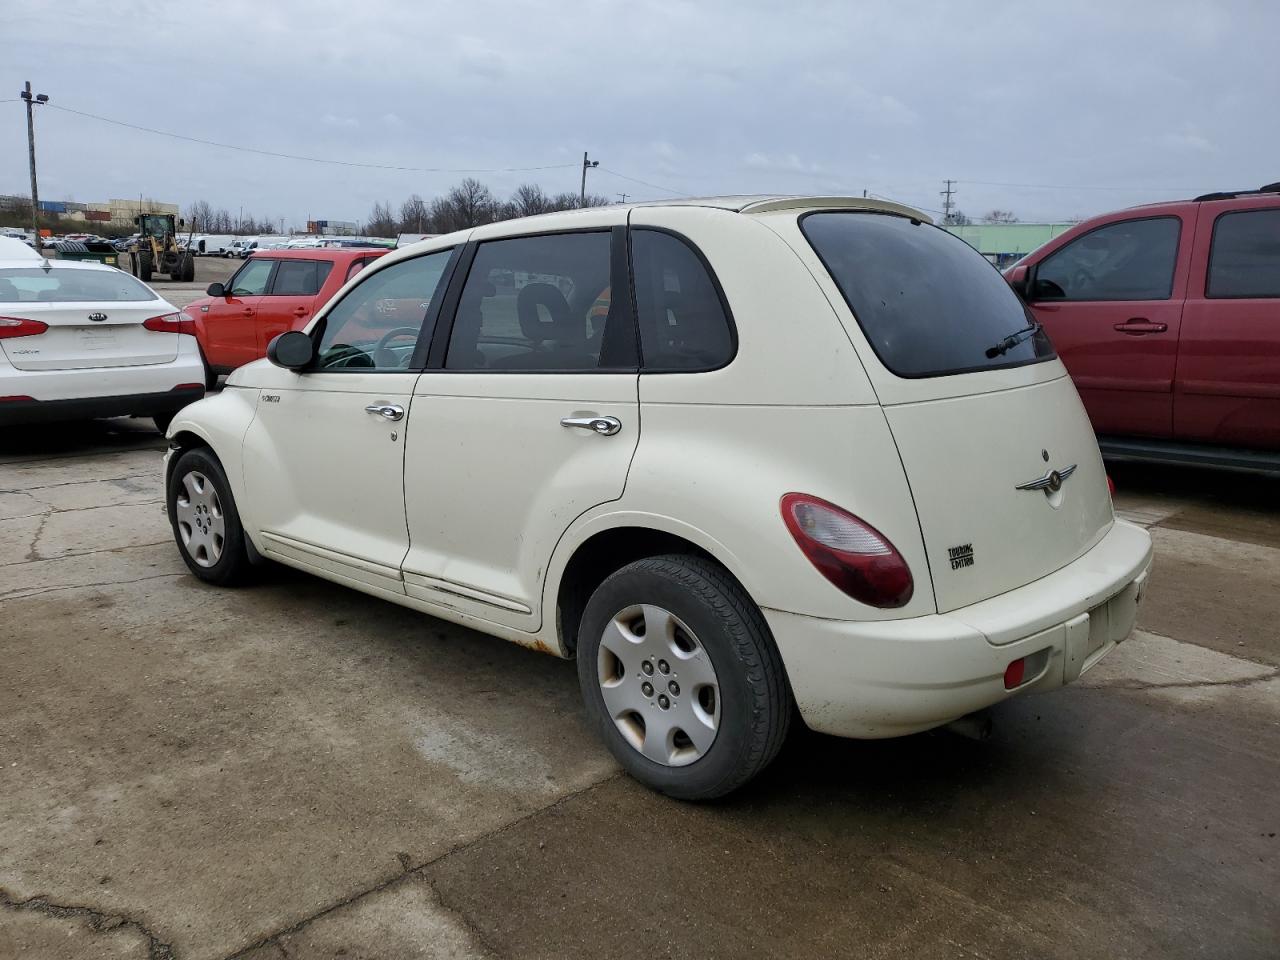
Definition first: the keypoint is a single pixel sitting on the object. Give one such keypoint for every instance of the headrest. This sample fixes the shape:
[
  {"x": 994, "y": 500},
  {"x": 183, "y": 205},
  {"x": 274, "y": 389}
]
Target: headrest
[{"x": 559, "y": 326}]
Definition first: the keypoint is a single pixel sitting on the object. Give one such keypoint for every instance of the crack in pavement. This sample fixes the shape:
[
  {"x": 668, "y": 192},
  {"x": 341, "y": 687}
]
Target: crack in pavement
[
  {"x": 84, "y": 553},
  {"x": 98, "y": 921},
  {"x": 1186, "y": 684},
  {"x": 84, "y": 586},
  {"x": 72, "y": 483},
  {"x": 273, "y": 939}
]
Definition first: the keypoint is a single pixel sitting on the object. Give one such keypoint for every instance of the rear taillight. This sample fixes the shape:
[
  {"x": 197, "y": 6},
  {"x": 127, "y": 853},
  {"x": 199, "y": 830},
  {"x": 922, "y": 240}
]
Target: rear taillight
[
  {"x": 849, "y": 552},
  {"x": 11, "y": 327},
  {"x": 1111, "y": 486},
  {"x": 171, "y": 323}
]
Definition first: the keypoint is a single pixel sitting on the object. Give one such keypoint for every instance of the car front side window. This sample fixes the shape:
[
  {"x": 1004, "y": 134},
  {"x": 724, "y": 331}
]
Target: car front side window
[
  {"x": 251, "y": 280},
  {"x": 378, "y": 323},
  {"x": 1128, "y": 260}
]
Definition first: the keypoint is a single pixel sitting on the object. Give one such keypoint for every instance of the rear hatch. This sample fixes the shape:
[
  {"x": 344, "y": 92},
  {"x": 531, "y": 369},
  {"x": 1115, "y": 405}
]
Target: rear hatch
[
  {"x": 94, "y": 318},
  {"x": 997, "y": 448}
]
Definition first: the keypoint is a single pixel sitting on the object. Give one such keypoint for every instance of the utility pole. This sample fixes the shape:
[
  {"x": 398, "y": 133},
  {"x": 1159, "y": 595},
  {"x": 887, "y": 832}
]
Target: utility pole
[
  {"x": 622, "y": 197},
  {"x": 947, "y": 203},
  {"x": 586, "y": 165},
  {"x": 32, "y": 102}
]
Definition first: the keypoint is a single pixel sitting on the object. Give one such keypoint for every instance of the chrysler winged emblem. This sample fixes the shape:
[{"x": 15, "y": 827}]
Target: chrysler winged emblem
[{"x": 1051, "y": 482}]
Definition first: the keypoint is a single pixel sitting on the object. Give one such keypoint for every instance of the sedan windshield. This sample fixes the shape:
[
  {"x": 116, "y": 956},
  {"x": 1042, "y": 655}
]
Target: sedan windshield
[{"x": 36, "y": 285}]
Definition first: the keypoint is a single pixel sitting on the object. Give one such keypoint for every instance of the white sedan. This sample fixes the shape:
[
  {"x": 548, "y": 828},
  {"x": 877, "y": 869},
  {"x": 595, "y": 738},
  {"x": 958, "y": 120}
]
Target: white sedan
[{"x": 84, "y": 340}]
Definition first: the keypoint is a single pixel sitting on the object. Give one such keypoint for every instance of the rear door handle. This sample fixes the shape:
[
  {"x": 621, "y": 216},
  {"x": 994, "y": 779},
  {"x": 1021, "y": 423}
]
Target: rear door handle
[
  {"x": 605, "y": 426},
  {"x": 389, "y": 411},
  {"x": 1139, "y": 325}
]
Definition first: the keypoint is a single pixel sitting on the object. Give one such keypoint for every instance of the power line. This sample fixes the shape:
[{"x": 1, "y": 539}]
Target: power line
[
  {"x": 948, "y": 205},
  {"x": 656, "y": 186},
  {"x": 1064, "y": 186},
  {"x": 294, "y": 156}
]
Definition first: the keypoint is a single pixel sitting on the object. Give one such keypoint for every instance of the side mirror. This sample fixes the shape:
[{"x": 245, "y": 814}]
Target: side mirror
[
  {"x": 292, "y": 350},
  {"x": 216, "y": 290},
  {"x": 1018, "y": 277}
]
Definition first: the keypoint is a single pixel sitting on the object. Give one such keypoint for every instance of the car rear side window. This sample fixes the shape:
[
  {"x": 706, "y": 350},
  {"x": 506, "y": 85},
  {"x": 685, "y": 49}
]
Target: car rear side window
[
  {"x": 684, "y": 325},
  {"x": 929, "y": 304},
  {"x": 1244, "y": 261},
  {"x": 1128, "y": 260},
  {"x": 541, "y": 303},
  {"x": 300, "y": 278}
]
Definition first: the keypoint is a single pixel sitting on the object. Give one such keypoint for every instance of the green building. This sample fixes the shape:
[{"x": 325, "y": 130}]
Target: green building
[{"x": 1003, "y": 243}]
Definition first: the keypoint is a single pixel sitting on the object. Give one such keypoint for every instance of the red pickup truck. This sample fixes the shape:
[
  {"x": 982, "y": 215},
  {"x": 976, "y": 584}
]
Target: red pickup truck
[
  {"x": 1168, "y": 319},
  {"x": 272, "y": 292}
]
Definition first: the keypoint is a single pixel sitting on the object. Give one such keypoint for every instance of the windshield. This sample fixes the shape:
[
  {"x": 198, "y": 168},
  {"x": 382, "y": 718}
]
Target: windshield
[
  {"x": 35, "y": 285},
  {"x": 929, "y": 303}
]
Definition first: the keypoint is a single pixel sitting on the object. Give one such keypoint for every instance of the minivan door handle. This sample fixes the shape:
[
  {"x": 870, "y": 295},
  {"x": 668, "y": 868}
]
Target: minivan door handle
[
  {"x": 605, "y": 426},
  {"x": 390, "y": 411},
  {"x": 1139, "y": 326}
]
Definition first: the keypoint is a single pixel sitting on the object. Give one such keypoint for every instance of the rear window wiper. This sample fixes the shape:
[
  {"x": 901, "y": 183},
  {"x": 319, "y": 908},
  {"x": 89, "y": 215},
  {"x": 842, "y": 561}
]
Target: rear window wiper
[{"x": 1012, "y": 340}]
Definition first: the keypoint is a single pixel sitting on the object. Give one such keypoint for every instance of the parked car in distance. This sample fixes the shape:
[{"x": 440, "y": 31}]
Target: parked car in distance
[
  {"x": 80, "y": 340},
  {"x": 888, "y": 510},
  {"x": 1167, "y": 317},
  {"x": 272, "y": 292}
]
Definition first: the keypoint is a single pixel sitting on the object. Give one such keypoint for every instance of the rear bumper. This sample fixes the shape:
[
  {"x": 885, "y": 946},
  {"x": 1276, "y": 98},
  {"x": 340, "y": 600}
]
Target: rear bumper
[
  {"x": 893, "y": 677},
  {"x": 86, "y": 408}
]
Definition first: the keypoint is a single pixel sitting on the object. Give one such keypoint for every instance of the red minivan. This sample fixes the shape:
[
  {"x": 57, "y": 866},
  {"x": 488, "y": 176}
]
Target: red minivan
[
  {"x": 272, "y": 292},
  {"x": 1168, "y": 319}
]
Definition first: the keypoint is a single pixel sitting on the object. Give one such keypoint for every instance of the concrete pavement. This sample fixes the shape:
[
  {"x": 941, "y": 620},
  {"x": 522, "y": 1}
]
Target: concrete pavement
[{"x": 297, "y": 770}]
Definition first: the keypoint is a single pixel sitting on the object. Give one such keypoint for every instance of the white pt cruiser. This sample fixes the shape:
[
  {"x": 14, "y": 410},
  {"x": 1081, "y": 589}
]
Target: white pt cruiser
[{"x": 734, "y": 455}]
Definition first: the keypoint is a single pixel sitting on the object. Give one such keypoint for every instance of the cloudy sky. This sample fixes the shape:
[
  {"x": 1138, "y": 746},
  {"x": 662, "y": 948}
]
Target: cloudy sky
[{"x": 1050, "y": 110}]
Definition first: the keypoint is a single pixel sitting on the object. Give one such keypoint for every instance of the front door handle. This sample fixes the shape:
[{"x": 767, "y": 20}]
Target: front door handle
[
  {"x": 1140, "y": 325},
  {"x": 389, "y": 411},
  {"x": 300, "y": 311},
  {"x": 605, "y": 426}
]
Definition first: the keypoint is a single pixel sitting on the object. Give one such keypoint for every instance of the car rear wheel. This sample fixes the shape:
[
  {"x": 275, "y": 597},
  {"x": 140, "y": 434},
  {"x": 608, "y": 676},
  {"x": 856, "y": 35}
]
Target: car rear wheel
[
  {"x": 162, "y": 420},
  {"x": 681, "y": 677},
  {"x": 206, "y": 524}
]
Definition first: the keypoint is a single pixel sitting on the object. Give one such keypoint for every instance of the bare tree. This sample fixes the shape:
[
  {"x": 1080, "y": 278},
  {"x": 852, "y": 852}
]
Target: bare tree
[
  {"x": 1000, "y": 216},
  {"x": 200, "y": 215},
  {"x": 414, "y": 214},
  {"x": 381, "y": 222}
]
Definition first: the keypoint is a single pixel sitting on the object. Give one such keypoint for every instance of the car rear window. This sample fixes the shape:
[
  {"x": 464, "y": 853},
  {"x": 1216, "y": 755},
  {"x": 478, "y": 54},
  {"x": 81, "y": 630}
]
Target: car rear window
[
  {"x": 929, "y": 304},
  {"x": 35, "y": 284}
]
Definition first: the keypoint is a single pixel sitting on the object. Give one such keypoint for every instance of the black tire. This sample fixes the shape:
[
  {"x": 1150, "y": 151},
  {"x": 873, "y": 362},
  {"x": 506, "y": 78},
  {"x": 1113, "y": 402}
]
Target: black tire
[
  {"x": 755, "y": 701},
  {"x": 232, "y": 565},
  {"x": 145, "y": 266},
  {"x": 188, "y": 268}
]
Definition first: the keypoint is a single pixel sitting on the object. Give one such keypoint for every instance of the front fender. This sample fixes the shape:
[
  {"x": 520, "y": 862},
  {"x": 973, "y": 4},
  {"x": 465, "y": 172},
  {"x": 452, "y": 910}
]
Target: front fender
[{"x": 219, "y": 421}]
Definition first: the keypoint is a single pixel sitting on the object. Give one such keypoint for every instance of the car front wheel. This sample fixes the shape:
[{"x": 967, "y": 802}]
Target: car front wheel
[
  {"x": 206, "y": 524},
  {"x": 681, "y": 677}
]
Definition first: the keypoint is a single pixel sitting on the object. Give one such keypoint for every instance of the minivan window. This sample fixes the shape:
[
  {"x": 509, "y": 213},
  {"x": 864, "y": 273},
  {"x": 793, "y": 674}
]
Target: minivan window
[
  {"x": 683, "y": 325},
  {"x": 929, "y": 304},
  {"x": 22, "y": 284},
  {"x": 378, "y": 323},
  {"x": 1244, "y": 260},
  {"x": 541, "y": 303},
  {"x": 1129, "y": 260},
  {"x": 300, "y": 278}
]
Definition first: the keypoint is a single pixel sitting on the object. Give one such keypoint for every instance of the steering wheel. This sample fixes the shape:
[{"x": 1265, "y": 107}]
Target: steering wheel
[
  {"x": 382, "y": 356},
  {"x": 1082, "y": 279}
]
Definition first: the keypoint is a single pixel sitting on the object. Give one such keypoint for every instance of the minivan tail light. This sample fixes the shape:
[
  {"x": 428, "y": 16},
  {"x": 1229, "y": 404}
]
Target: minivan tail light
[
  {"x": 848, "y": 551},
  {"x": 171, "y": 323},
  {"x": 11, "y": 327}
]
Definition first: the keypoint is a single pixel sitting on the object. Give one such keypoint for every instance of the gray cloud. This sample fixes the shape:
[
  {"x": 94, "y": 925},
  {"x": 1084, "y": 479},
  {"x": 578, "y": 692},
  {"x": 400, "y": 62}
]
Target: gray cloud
[{"x": 1155, "y": 99}]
